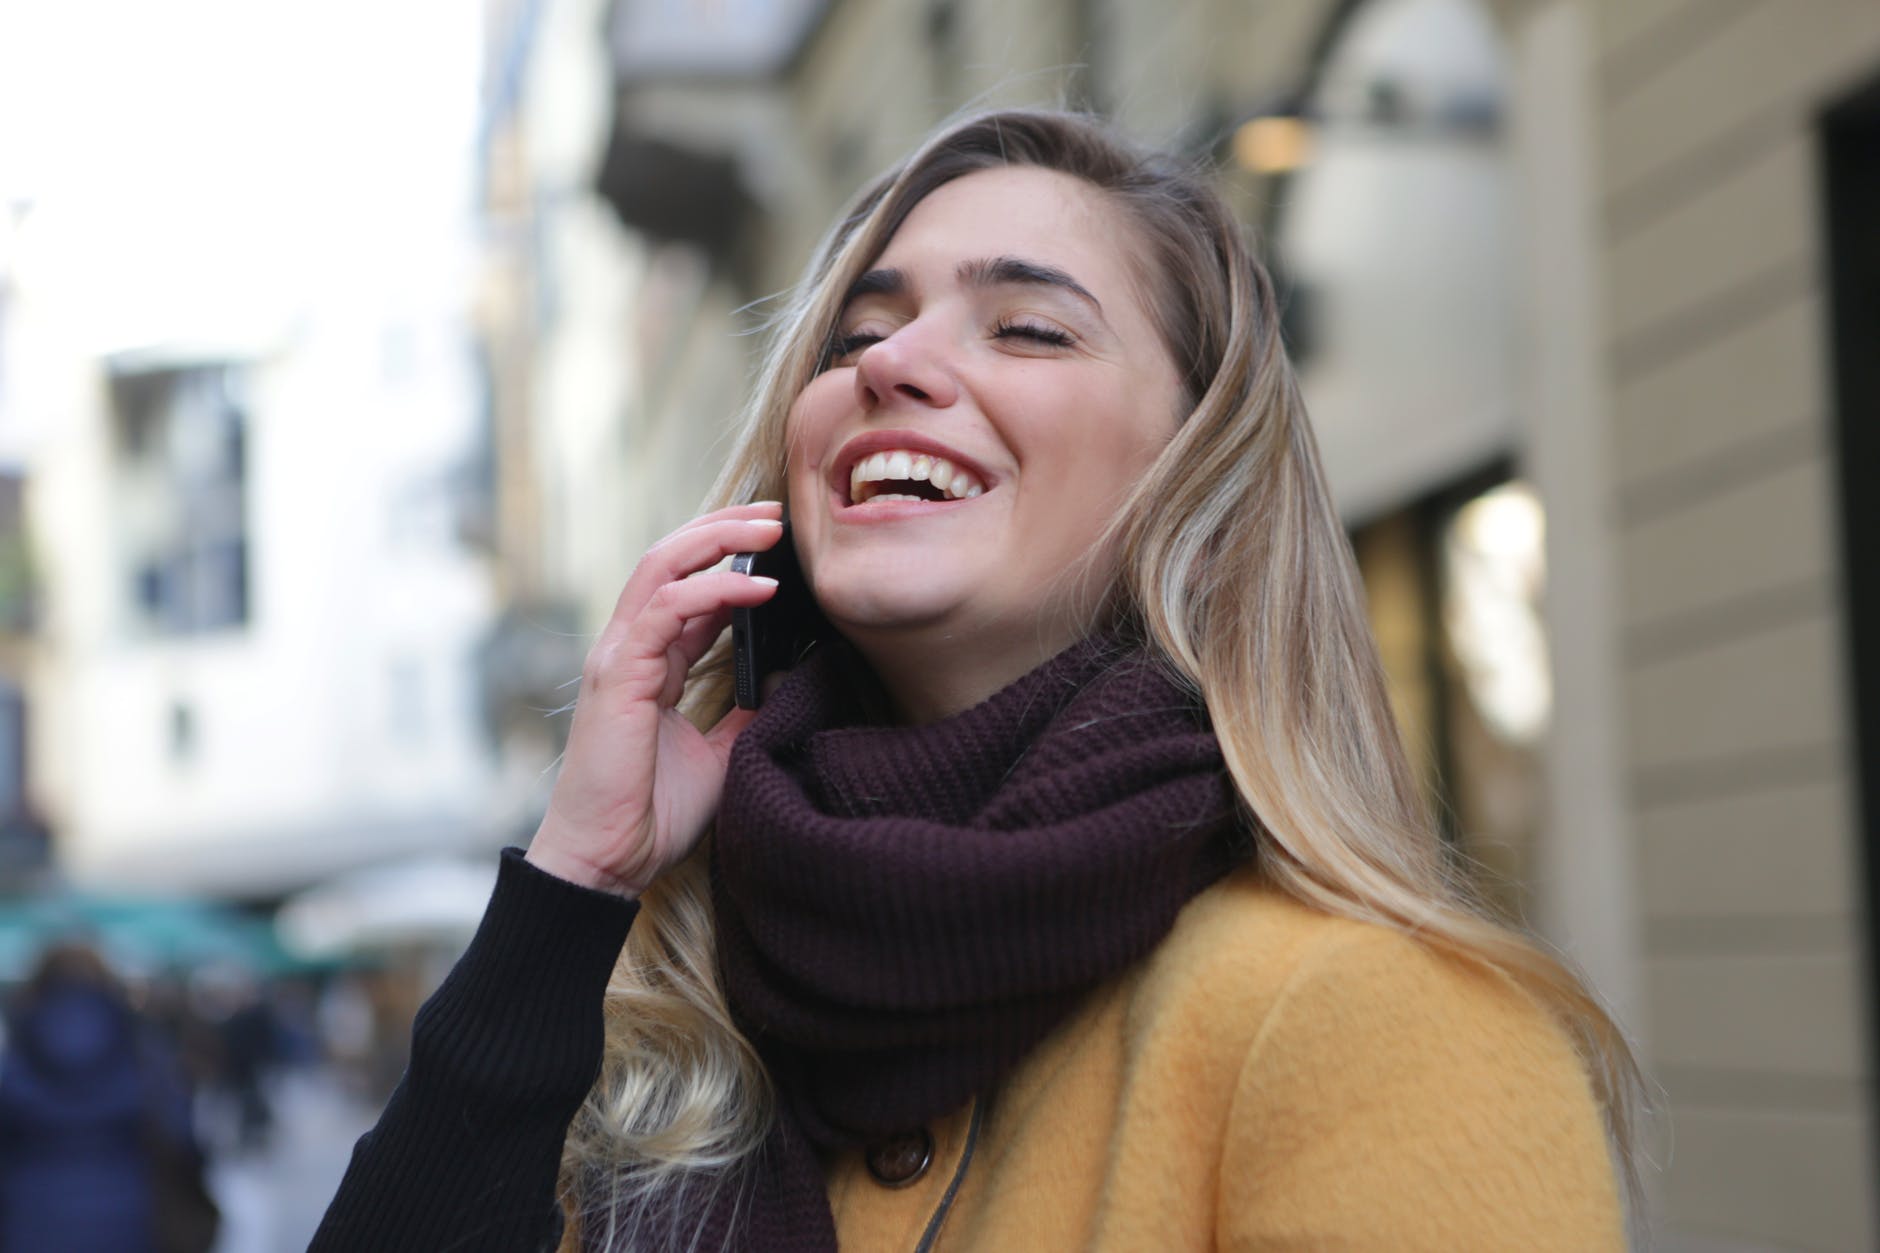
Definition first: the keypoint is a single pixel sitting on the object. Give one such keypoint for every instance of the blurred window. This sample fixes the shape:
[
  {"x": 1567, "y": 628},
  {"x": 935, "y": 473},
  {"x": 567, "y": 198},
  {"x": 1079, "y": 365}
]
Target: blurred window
[
  {"x": 180, "y": 474},
  {"x": 182, "y": 732}
]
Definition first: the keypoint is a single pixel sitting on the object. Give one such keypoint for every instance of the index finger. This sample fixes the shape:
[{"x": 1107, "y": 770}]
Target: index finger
[{"x": 695, "y": 547}]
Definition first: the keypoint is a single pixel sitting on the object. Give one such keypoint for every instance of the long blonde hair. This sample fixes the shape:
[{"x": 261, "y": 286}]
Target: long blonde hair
[{"x": 1237, "y": 568}]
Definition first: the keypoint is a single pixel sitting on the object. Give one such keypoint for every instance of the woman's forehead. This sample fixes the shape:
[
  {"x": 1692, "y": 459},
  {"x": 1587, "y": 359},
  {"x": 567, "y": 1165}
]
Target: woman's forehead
[{"x": 1027, "y": 212}]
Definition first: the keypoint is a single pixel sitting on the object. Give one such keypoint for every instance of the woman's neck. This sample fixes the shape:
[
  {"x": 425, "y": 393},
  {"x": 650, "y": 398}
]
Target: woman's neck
[{"x": 932, "y": 674}]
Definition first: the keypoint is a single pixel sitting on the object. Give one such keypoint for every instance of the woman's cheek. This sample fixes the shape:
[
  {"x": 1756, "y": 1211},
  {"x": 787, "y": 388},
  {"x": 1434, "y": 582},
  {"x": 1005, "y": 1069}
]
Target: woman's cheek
[{"x": 809, "y": 429}]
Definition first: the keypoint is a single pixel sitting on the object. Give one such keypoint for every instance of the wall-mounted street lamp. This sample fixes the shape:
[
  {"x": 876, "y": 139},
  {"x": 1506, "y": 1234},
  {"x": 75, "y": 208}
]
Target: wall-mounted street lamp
[
  {"x": 1285, "y": 134},
  {"x": 1273, "y": 143}
]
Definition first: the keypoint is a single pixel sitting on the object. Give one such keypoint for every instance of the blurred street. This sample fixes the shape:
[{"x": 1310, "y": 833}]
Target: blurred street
[{"x": 272, "y": 1197}]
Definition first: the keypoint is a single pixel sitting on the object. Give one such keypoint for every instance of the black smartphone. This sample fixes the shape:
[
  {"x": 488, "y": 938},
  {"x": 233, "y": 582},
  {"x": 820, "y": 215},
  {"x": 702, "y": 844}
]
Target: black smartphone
[{"x": 777, "y": 634}]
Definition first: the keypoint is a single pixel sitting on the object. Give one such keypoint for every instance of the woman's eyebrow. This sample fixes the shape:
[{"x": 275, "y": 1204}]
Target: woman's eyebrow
[
  {"x": 877, "y": 283},
  {"x": 996, "y": 271},
  {"x": 983, "y": 272}
]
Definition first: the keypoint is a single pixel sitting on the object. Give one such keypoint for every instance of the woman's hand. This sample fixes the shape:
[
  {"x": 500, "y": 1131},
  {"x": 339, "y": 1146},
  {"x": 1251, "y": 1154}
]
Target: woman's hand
[{"x": 639, "y": 782}]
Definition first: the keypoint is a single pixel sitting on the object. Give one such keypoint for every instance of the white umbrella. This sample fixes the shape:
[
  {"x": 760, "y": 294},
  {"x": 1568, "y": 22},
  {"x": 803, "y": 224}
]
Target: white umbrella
[{"x": 431, "y": 902}]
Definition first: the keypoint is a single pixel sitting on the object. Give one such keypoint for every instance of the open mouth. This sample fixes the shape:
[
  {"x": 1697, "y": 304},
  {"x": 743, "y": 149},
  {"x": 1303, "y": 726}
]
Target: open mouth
[{"x": 898, "y": 474}]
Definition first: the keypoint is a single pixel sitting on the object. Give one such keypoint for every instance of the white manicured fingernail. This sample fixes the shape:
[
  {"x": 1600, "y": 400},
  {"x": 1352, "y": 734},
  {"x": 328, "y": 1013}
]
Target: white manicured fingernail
[
  {"x": 764, "y": 579},
  {"x": 776, "y": 522}
]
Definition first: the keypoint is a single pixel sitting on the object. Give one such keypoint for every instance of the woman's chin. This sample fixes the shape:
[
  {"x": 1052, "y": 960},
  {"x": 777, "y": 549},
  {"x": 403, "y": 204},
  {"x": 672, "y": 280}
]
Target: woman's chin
[{"x": 875, "y": 610}]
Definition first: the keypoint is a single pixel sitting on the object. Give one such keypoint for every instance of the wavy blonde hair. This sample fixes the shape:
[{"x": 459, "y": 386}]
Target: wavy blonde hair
[{"x": 1235, "y": 564}]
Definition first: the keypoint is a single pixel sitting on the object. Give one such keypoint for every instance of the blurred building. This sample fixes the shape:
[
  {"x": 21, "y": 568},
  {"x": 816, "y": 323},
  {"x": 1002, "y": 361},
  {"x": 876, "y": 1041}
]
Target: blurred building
[
  {"x": 24, "y": 851},
  {"x": 558, "y": 322},
  {"x": 255, "y": 473},
  {"x": 1582, "y": 296}
]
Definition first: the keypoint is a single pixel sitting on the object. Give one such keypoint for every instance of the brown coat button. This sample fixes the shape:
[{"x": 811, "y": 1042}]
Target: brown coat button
[{"x": 900, "y": 1160}]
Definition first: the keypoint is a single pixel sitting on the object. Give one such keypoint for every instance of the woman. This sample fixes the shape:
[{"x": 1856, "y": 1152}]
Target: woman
[{"x": 1078, "y": 894}]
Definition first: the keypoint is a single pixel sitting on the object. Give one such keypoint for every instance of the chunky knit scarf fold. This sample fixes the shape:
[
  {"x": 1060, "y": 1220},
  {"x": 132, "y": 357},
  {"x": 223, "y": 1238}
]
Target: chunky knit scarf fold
[{"x": 904, "y": 912}]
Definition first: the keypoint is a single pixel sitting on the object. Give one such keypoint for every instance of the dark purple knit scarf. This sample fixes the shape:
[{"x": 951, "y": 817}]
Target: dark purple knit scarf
[{"x": 904, "y": 912}]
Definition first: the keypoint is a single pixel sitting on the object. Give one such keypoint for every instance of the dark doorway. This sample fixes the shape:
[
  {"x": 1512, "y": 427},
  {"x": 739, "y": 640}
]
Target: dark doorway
[
  {"x": 1454, "y": 587},
  {"x": 1850, "y": 149}
]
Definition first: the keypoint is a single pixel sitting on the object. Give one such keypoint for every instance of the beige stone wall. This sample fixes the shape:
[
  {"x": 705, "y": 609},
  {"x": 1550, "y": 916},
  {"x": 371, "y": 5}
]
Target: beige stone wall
[{"x": 1735, "y": 731}]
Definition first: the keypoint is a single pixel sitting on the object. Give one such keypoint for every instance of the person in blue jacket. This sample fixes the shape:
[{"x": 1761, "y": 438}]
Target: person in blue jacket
[{"x": 87, "y": 1102}]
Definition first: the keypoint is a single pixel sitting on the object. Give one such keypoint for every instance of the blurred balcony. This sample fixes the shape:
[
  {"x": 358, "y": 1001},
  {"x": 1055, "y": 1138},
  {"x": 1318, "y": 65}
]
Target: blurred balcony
[{"x": 695, "y": 87}]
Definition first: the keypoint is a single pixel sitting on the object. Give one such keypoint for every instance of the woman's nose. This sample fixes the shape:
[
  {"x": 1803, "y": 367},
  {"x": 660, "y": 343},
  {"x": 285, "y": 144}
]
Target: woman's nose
[{"x": 904, "y": 366}]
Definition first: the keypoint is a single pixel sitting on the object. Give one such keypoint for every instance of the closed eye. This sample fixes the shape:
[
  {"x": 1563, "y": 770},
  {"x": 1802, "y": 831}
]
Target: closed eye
[
  {"x": 844, "y": 345},
  {"x": 1035, "y": 332}
]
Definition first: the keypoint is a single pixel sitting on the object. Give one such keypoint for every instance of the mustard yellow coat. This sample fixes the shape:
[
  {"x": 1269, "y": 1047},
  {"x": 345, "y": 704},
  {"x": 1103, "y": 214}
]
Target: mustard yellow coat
[{"x": 1269, "y": 1078}]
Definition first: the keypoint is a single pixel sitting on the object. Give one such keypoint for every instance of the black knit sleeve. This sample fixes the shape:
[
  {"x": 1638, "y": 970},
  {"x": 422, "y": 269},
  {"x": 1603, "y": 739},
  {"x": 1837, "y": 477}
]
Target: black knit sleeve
[{"x": 466, "y": 1153}]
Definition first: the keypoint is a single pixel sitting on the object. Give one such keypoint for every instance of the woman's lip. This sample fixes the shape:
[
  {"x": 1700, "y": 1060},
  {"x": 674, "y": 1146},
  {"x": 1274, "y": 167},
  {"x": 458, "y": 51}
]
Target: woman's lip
[{"x": 883, "y": 441}]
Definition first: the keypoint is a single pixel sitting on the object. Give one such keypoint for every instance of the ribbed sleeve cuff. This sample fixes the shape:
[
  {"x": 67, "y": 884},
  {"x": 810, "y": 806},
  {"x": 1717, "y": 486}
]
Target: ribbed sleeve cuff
[
  {"x": 519, "y": 1017},
  {"x": 467, "y": 1151}
]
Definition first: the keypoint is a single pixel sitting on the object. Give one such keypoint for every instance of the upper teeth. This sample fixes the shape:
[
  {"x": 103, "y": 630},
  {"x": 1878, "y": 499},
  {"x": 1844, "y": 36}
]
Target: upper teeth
[{"x": 901, "y": 464}]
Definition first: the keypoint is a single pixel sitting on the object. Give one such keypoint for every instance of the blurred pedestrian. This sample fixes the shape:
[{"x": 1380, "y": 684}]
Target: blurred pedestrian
[
  {"x": 251, "y": 1048},
  {"x": 97, "y": 1150},
  {"x": 1073, "y": 888},
  {"x": 242, "y": 1045}
]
